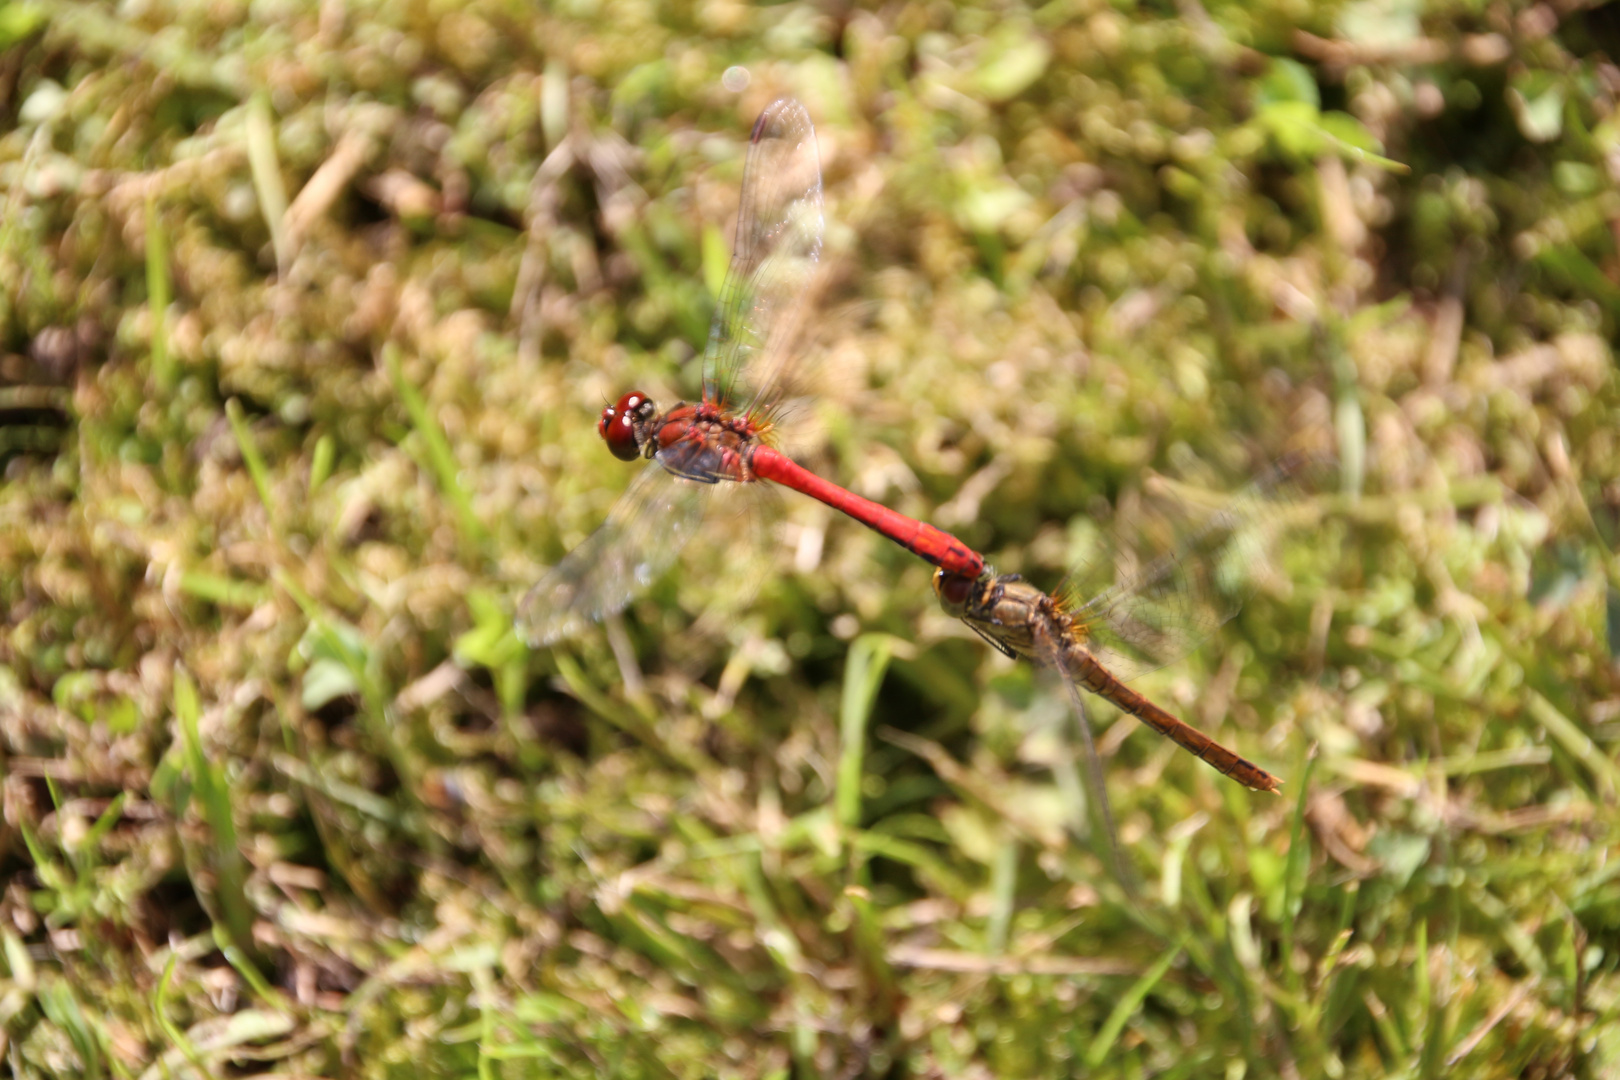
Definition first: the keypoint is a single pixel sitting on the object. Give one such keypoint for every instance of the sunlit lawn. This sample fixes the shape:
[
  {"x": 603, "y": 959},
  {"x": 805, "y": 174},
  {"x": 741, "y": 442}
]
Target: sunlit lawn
[{"x": 309, "y": 313}]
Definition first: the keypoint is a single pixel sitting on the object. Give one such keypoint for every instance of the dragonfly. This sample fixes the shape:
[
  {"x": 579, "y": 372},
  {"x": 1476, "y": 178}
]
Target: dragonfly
[
  {"x": 729, "y": 434},
  {"x": 1099, "y": 638}
]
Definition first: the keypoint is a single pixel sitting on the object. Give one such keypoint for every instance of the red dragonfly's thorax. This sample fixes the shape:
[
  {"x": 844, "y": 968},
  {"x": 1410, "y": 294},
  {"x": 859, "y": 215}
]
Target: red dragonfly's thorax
[{"x": 699, "y": 441}]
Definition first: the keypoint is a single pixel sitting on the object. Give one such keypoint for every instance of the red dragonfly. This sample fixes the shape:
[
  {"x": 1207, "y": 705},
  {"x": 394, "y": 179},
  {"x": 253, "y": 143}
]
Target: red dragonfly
[
  {"x": 1098, "y": 638},
  {"x": 694, "y": 446}
]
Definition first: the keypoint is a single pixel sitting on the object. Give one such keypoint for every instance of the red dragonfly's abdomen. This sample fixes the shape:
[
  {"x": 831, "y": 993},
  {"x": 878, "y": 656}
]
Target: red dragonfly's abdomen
[{"x": 918, "y": 537}]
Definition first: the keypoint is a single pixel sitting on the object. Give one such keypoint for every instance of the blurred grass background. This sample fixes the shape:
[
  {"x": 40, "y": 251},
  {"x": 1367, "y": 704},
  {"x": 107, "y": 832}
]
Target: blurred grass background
[{"x": 307, "y": 314}]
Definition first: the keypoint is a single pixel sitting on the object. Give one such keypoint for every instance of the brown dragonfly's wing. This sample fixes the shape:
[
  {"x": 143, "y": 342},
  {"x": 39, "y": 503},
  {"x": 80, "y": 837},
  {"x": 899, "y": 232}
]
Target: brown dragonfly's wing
[
  {"x": 643, "y": 534},
  {"x": 1050, "y": 654},
  {"x": 773, "y": 262},
  {"x": 1145, "y": 614}
]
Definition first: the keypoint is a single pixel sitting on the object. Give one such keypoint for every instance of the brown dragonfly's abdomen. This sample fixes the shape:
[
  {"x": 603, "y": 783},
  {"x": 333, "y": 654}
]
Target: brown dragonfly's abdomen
[{"x": 1100, "y": 681}]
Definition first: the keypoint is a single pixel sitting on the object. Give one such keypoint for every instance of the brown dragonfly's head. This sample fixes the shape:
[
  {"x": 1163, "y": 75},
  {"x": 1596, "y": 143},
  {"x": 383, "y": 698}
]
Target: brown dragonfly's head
[
  {"x": 624, "y": 424},
  {"x": 1001, "y": 608},
  {"x": 955, "y": 592}
]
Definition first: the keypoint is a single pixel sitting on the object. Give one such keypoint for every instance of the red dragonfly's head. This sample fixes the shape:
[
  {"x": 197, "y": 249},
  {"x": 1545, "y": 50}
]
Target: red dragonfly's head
[{"x": 622, "y": 424}]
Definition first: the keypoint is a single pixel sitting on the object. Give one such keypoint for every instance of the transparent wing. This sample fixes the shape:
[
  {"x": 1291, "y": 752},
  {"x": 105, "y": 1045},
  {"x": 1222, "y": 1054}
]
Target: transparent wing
[
  {"x": 730, "y": 572},
  {"x": 773, "y": 262},
  {"x": 1104, "y": 834},
  {"x": 643, "y": 533},
  {"x": 1140, "y": 614}
]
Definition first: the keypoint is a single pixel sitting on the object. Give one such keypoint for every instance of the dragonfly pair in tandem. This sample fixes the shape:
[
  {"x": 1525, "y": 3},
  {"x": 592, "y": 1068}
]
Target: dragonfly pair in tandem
[{"x": 1092, "y": 642}]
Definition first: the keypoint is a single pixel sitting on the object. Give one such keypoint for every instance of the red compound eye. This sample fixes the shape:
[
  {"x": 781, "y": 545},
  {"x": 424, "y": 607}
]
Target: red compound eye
[
  {"x": 618, "y": 425},
  {"x": 953, "y": 590}
]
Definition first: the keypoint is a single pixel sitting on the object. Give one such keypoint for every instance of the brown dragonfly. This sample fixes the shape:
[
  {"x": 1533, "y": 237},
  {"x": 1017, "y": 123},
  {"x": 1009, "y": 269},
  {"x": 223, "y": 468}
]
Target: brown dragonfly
[{"x": 1098, "y": 635}]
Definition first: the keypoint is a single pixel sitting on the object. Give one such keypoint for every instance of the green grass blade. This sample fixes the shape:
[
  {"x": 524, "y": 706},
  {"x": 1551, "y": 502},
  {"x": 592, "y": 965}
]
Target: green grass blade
[
  {"x": 159, "y": 293},
  {"x": 250, "y": 974},
  {"x": 1297, "y": 867},
  {"x": 1127, "y": 1005},
  {"x": 252, "y": 458},
  {"x": 868, "y": 660},
  {"x": 213, "y": 791},
  {"x": 1003, "y": 886},
  {"x": 176, "y": 1037},
  {"x": 104, "y": 824},
  {"x": 440, "y": 460},
  {"x": 1574, "y": 741},
  {"x": 61, "y": 1006},
  {"x": 266, "y": 169},
  {"x": 320, "y": 466},
  {"x": 933, "y": 869},
  {"x": 223, "y": 592}
]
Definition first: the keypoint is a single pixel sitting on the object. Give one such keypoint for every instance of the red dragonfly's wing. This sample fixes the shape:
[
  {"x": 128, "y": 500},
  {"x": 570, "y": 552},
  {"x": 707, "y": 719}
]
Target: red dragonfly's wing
[
  {"x": 773, "y": 262},
  {"x": 643, "y": 533},
  {"x": 1143, "y": 616}
]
